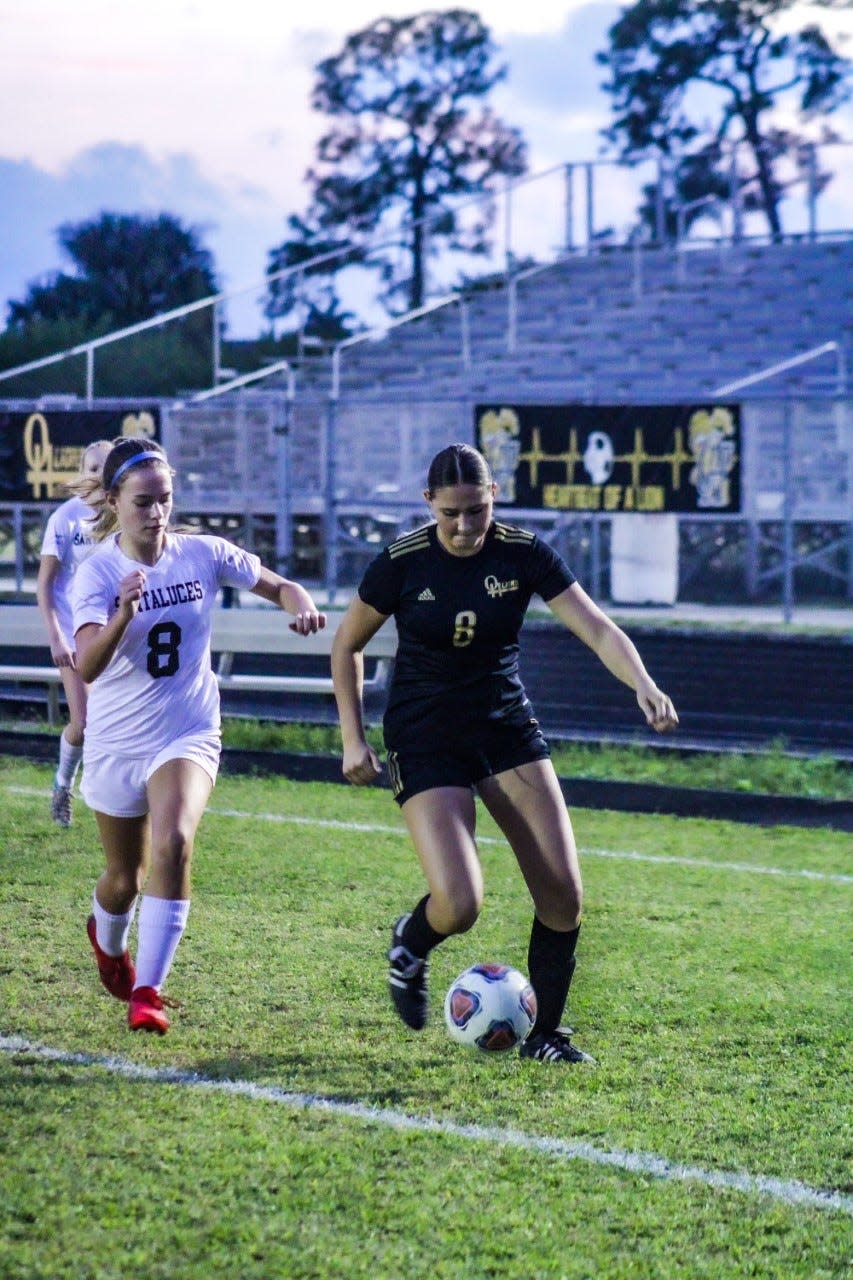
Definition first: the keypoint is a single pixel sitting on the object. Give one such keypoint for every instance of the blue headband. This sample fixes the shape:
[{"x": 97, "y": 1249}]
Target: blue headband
[{"x": 147, "y": 456}]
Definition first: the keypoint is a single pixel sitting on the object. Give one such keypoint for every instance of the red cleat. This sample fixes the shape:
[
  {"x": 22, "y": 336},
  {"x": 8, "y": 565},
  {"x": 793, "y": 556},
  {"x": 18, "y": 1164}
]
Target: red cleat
[
  {"x": 117, "y": 972},
  {"x": 145, "y": 1012}
]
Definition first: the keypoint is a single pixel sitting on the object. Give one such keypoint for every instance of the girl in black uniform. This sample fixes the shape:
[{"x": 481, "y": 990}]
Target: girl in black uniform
[{"x": 458, "y": 721}]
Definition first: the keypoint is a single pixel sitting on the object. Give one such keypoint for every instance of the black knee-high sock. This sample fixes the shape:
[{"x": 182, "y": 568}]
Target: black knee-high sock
[
  {"x": 551, "y": 963},
  {"x": 419, "y": 937}
]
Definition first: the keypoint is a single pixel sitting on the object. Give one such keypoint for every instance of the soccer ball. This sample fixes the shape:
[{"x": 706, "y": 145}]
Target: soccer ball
[{"x": 490, "y": 1007}]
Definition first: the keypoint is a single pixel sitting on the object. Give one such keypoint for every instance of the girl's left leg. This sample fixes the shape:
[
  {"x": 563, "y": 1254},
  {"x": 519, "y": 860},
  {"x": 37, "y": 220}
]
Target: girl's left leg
[
  {"x": 178, "y": 793},
  {"x": 528, "y": 806},
  {"x": 70, "y": 747}
]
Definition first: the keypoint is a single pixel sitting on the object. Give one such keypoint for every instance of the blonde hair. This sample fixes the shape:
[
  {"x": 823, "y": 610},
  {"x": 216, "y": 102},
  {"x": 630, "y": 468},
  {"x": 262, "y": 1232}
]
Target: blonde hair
[{"x": 84, "y": 484}]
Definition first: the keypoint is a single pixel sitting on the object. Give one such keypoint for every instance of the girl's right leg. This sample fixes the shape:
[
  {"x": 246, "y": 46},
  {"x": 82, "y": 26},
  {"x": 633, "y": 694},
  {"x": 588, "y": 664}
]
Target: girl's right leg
[
  {"x": 441, "y": 823},
  {"x": 178, "y": 792},
  {"x": 126, "y": 844},
  {"x": 528, "y": 806},
  {"x": 127, "y": 850}
]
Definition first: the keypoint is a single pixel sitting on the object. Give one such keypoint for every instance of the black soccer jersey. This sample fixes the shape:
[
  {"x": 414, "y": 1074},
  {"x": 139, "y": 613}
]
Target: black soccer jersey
[{"x": 458, "y": 621}]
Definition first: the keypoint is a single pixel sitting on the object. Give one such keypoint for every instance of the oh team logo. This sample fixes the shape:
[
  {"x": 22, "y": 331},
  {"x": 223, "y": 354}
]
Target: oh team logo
[{"x": 495, "y": 588}]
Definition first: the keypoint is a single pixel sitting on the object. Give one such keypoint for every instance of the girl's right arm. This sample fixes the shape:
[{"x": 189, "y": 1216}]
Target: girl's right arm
[
  {"x": 96, "y": 643},
  {"x": 49, "y": 566},
  {"x": 360, "y": 622}
]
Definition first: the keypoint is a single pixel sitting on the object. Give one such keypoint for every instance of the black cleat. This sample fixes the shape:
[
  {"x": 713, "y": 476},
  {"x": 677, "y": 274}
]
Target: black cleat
[
  {"x": 407, "y": 980},
  {"x": 553, "y": 1046}
]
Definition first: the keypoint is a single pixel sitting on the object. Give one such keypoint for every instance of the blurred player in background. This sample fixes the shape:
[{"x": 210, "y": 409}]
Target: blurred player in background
[
  {"x": 142, "y": 617},
  {"x": 66, "y": 543},
  {"x": 458, "y": 722}
]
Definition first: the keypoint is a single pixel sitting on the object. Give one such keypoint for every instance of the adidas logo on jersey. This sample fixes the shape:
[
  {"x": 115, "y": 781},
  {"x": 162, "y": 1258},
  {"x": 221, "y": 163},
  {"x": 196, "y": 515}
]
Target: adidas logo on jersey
[{"x": 426, "y": 594}]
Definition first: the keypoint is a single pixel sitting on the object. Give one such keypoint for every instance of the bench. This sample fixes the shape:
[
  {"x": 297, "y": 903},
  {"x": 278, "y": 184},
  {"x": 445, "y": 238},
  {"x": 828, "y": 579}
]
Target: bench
[{"x": 256, "y": 630}]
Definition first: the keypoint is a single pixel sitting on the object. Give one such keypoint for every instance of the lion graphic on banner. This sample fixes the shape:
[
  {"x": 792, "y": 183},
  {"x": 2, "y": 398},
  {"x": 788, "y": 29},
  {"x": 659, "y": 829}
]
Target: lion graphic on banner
[
  {"x": 711, "y": 436},
  {"x": 501, "y": 446}
]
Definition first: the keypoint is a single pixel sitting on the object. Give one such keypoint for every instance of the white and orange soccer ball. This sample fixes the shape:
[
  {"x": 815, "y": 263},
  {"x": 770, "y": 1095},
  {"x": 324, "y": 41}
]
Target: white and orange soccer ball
[{"x": 490, "y": 1007}]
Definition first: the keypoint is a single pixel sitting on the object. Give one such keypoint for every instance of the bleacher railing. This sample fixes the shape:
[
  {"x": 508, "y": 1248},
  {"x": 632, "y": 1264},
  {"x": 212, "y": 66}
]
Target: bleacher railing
[{"x": 546, "y": 215}]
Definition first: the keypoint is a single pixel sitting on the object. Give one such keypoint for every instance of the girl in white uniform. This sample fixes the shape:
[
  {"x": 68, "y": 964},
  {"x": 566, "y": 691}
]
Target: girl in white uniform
[
  {"x": 142, "y": 620},
  {"x": 67, "y": 542}
]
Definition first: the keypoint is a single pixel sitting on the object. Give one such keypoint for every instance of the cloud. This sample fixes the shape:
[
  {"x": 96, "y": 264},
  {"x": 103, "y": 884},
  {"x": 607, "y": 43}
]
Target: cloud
[
  {"x": 560, "y": 70},
  {"x": 238, "y": 225},
  {"x": 214, "y": 126},
  {"x": 553, "y": 90},
  {"x": 202, "y": 110}
]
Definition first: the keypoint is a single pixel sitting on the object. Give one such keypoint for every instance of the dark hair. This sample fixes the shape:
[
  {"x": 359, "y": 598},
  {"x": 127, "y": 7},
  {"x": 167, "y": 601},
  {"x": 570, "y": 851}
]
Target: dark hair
[
  {"x": 124, "y": 450},
  {"x": 458, "y": 464}
]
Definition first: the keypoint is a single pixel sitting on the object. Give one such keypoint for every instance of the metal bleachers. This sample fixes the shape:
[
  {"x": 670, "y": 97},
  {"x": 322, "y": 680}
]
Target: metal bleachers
[{"x": 619, "y": 323}]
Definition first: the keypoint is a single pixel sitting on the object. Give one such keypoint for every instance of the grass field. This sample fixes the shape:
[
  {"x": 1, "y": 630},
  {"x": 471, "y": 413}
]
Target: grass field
[
  {"x": 773, "y": 770},
  {"x": 288, "y": 1126}
]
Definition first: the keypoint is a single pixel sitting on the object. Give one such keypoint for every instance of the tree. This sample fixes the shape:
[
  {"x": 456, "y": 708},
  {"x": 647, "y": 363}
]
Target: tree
[
  {"x": 310, "y": 293},
  {"x": 410, "y": 142},
  {"x": 127, "y": 268},
  {"x": 676, "y": 66},
  {"x": 698, "y": 189}
]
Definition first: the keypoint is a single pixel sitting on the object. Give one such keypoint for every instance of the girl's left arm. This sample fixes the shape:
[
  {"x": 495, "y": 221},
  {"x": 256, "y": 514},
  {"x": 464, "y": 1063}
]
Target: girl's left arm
[
  {"x": 616, "y": 650},
  {"x": 292, "y": 598}
]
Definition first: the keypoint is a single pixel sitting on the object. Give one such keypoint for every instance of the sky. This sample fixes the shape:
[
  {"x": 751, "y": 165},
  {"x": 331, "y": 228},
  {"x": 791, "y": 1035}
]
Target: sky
[{"x": 201, "y": 108}]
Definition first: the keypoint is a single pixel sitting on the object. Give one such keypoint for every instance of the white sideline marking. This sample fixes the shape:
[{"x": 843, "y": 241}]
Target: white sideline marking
[
  {"x": 832, "y": 877},
  {"x": 645, "y": 1164},
  {"x": 625, "y": 855}
]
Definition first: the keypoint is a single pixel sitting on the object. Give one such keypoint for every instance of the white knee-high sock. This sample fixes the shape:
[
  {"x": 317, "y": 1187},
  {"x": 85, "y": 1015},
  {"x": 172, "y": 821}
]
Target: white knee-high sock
[
  {"x": 161, "y": 924},
  {"x": 112, "y": 931},
  {"x": 69, "y": 762}
]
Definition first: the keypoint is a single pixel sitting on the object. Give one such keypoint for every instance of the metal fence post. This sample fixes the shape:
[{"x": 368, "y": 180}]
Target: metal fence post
[
  {"x": 217, "y": 346},
  {"x": 753, "y": 553},
  {"x": 569, "y": 234},
  {"x": 788, "y": 513},
  {"x": 18, "y": 527},
  {"x": 590, "y": 210},
  {"x": 330, "y": 517},
  {"x": 283, "y": 532},
  {"x": 90, "y": 374}
]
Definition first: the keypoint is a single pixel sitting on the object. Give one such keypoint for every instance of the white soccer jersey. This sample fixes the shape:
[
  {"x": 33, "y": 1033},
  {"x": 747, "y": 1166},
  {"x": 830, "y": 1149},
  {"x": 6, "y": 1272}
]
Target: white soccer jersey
[
  {"x": 68, "y": 537},
  {"x": 159, "y": 684}
]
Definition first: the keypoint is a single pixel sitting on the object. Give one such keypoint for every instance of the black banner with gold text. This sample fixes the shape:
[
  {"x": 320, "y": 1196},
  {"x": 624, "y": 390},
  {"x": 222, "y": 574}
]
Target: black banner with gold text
[
  {"x": 40, "y": 450},
  {"x": 613, "y": 458}
]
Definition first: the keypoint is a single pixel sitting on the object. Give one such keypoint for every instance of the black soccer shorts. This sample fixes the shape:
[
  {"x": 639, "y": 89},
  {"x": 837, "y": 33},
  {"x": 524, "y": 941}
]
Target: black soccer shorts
[{"x": 466, "y": 761}]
